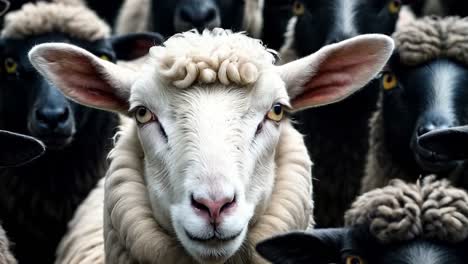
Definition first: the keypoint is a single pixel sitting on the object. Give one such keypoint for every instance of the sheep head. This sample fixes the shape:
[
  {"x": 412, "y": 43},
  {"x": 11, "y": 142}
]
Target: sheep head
[{"x": 209, "y": 109}]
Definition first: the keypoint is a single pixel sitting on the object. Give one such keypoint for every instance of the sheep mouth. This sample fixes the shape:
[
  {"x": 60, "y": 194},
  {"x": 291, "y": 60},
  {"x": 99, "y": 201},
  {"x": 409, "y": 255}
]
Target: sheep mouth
[
  {"x": 216, "y": 237},
  {"x": 431, "y": 161},
  {"x": 57, "y": 142}
]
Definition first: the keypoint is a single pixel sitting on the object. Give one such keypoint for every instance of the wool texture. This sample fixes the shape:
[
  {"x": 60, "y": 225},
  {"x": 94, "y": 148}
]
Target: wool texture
[
  {"x": 131, "y": 234},
  {"x": 428, "y": 38},
  {"x": 429, "y": 209},
  {"x": 84, "y": 241},
  {"x": 135, "y": 16},
  {"x": 216, "y": 55},
  {"x": 40, "y": 18},
  {"x": 5, "y": 255}
]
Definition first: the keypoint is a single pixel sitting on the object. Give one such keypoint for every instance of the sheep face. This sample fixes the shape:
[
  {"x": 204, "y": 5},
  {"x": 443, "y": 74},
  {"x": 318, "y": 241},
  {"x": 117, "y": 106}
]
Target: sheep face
[
  {"x": 321, "y": 22},
  {"x": 420, "y": 99},
  {"x": 356, "y": 246},
  {"x": 171, "y": 17},
  {"x": 217, "y": 146},
  {"x": 36, "y": 107},
  {"x": 209, "y": 119}
]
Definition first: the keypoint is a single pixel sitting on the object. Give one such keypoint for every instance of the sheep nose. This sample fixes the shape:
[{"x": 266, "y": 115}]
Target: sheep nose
[
  {"x": 52, "y": 118},
  {"x": 199, "y": 15},
  {"x": 430, "y": 126},
  {"x": 213, "y": 209}
]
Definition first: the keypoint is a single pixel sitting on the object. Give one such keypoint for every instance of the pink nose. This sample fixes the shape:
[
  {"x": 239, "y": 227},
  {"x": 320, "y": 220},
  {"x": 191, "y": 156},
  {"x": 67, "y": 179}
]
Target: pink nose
[{"x": 213, "y": 209}]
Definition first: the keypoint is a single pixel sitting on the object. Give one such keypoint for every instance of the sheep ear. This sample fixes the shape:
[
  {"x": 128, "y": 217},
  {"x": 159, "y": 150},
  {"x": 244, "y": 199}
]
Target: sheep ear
[
  {"x": 135, "y": 45},
  {"x": 17, "y": 149},
  {"x": 319, "y": 247},
  {"x": 450, "y": 143},
  {"x": 335, "y": 71},
  {"x": 83, "y": 77}
]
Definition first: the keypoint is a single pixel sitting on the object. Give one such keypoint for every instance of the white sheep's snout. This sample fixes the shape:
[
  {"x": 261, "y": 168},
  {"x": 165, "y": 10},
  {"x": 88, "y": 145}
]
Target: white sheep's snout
[
  {"x": 211, "y": 222},
  {"x": 213, "y": 207}
]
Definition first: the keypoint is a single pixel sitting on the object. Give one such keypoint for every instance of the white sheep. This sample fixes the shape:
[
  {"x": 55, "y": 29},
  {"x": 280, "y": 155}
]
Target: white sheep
[{"x": 210, "y": 165}]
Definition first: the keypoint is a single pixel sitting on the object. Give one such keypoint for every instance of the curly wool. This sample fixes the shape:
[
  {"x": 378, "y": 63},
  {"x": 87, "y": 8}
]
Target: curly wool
[
  {"x": 40, "y": 18},
  {"x": 215, "y": 55},
  {"x": 399, "y": 212},
  {"x": 425, "y": 39}
]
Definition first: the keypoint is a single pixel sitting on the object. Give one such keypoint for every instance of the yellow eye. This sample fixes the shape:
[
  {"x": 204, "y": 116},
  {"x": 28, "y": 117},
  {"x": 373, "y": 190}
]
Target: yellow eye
[
  {"x": 143, "y": 115},
  {"x": 104, "y": 57},
  {"x": 354, "y": 260},
  {"x": 394, "y": 6},
  {"x": 10, "y": 65},
  {"x": 298, "y": 8},
  {"x": 276, "y": 113},
  {"x": 389, "y": 81}
]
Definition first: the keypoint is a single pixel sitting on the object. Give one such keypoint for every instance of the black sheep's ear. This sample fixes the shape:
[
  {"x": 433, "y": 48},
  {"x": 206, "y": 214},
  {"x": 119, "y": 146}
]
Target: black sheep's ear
[
  {"x": 320, "y": 246},
  {"x": 451, "y": 143},
  {"x": 17, "y": 149},
  {"x": 135, "y": 45}
]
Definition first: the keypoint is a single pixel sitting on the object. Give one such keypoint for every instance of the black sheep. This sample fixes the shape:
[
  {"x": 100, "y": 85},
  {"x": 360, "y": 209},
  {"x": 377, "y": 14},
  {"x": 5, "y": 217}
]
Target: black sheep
[
  {"x": 401, "y": 223},
  {"x": 37, "y": 200},
  {"x": 423, "y": 91},
  {"x": 172, "y": 16},
  {"x": 15, "y": 150},
  {"x": 337, "y": 135}
]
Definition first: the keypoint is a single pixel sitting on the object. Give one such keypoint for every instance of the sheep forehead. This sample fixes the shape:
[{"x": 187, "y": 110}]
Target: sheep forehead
[
  {"x": 152, "y": 92},
  {"x": 217, "y": 56},
  {"x": 41, "y": 18}
]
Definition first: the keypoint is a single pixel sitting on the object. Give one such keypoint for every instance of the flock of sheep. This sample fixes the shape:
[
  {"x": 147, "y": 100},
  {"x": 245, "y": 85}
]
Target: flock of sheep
[{"x": 306, "y": 131}]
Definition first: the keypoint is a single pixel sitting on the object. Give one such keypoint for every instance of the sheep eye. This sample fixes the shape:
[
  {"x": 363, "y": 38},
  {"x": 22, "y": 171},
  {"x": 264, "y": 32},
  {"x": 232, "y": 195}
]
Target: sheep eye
[
  {"x": 10, "y": 66},
  {"x": 276, "y": 113},
  {"x": 298, "y": 8},
  {"x": 354, "y": 260},
  {"x": 389, "y": 81},
  {"x": 104, "y": 57},
  {"x": 143, "y": 115},
  {"x": 394, "y": 6}
]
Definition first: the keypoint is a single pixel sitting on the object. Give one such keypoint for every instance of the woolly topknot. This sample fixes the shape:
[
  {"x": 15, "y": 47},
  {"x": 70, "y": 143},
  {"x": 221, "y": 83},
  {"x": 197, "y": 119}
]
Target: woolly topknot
[
  {"x": 216, "y": 55},
  {"x": 425, "y": 39},
  {"x": 40, "y": 18},
  {"x": 399, "y": 212}
]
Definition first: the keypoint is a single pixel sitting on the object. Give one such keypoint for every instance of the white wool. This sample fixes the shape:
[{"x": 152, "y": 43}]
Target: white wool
[
  {"x": 253, "y": 17},
  {"x": 40, "y": 18},
  {"x": 217, "y": 55}
]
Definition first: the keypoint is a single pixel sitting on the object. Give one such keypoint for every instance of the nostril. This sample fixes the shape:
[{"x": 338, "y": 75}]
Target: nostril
[
  {"x": 424, "y": 129},
  {"x": 210, "y": 15},
  {"x": 228, "y": 205},
  {"x": 63, "y": 116},
  {"x": 199, "y": 205},
  {"x": 185, "y": 15},
  {"x": 40, "y": 116}
]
